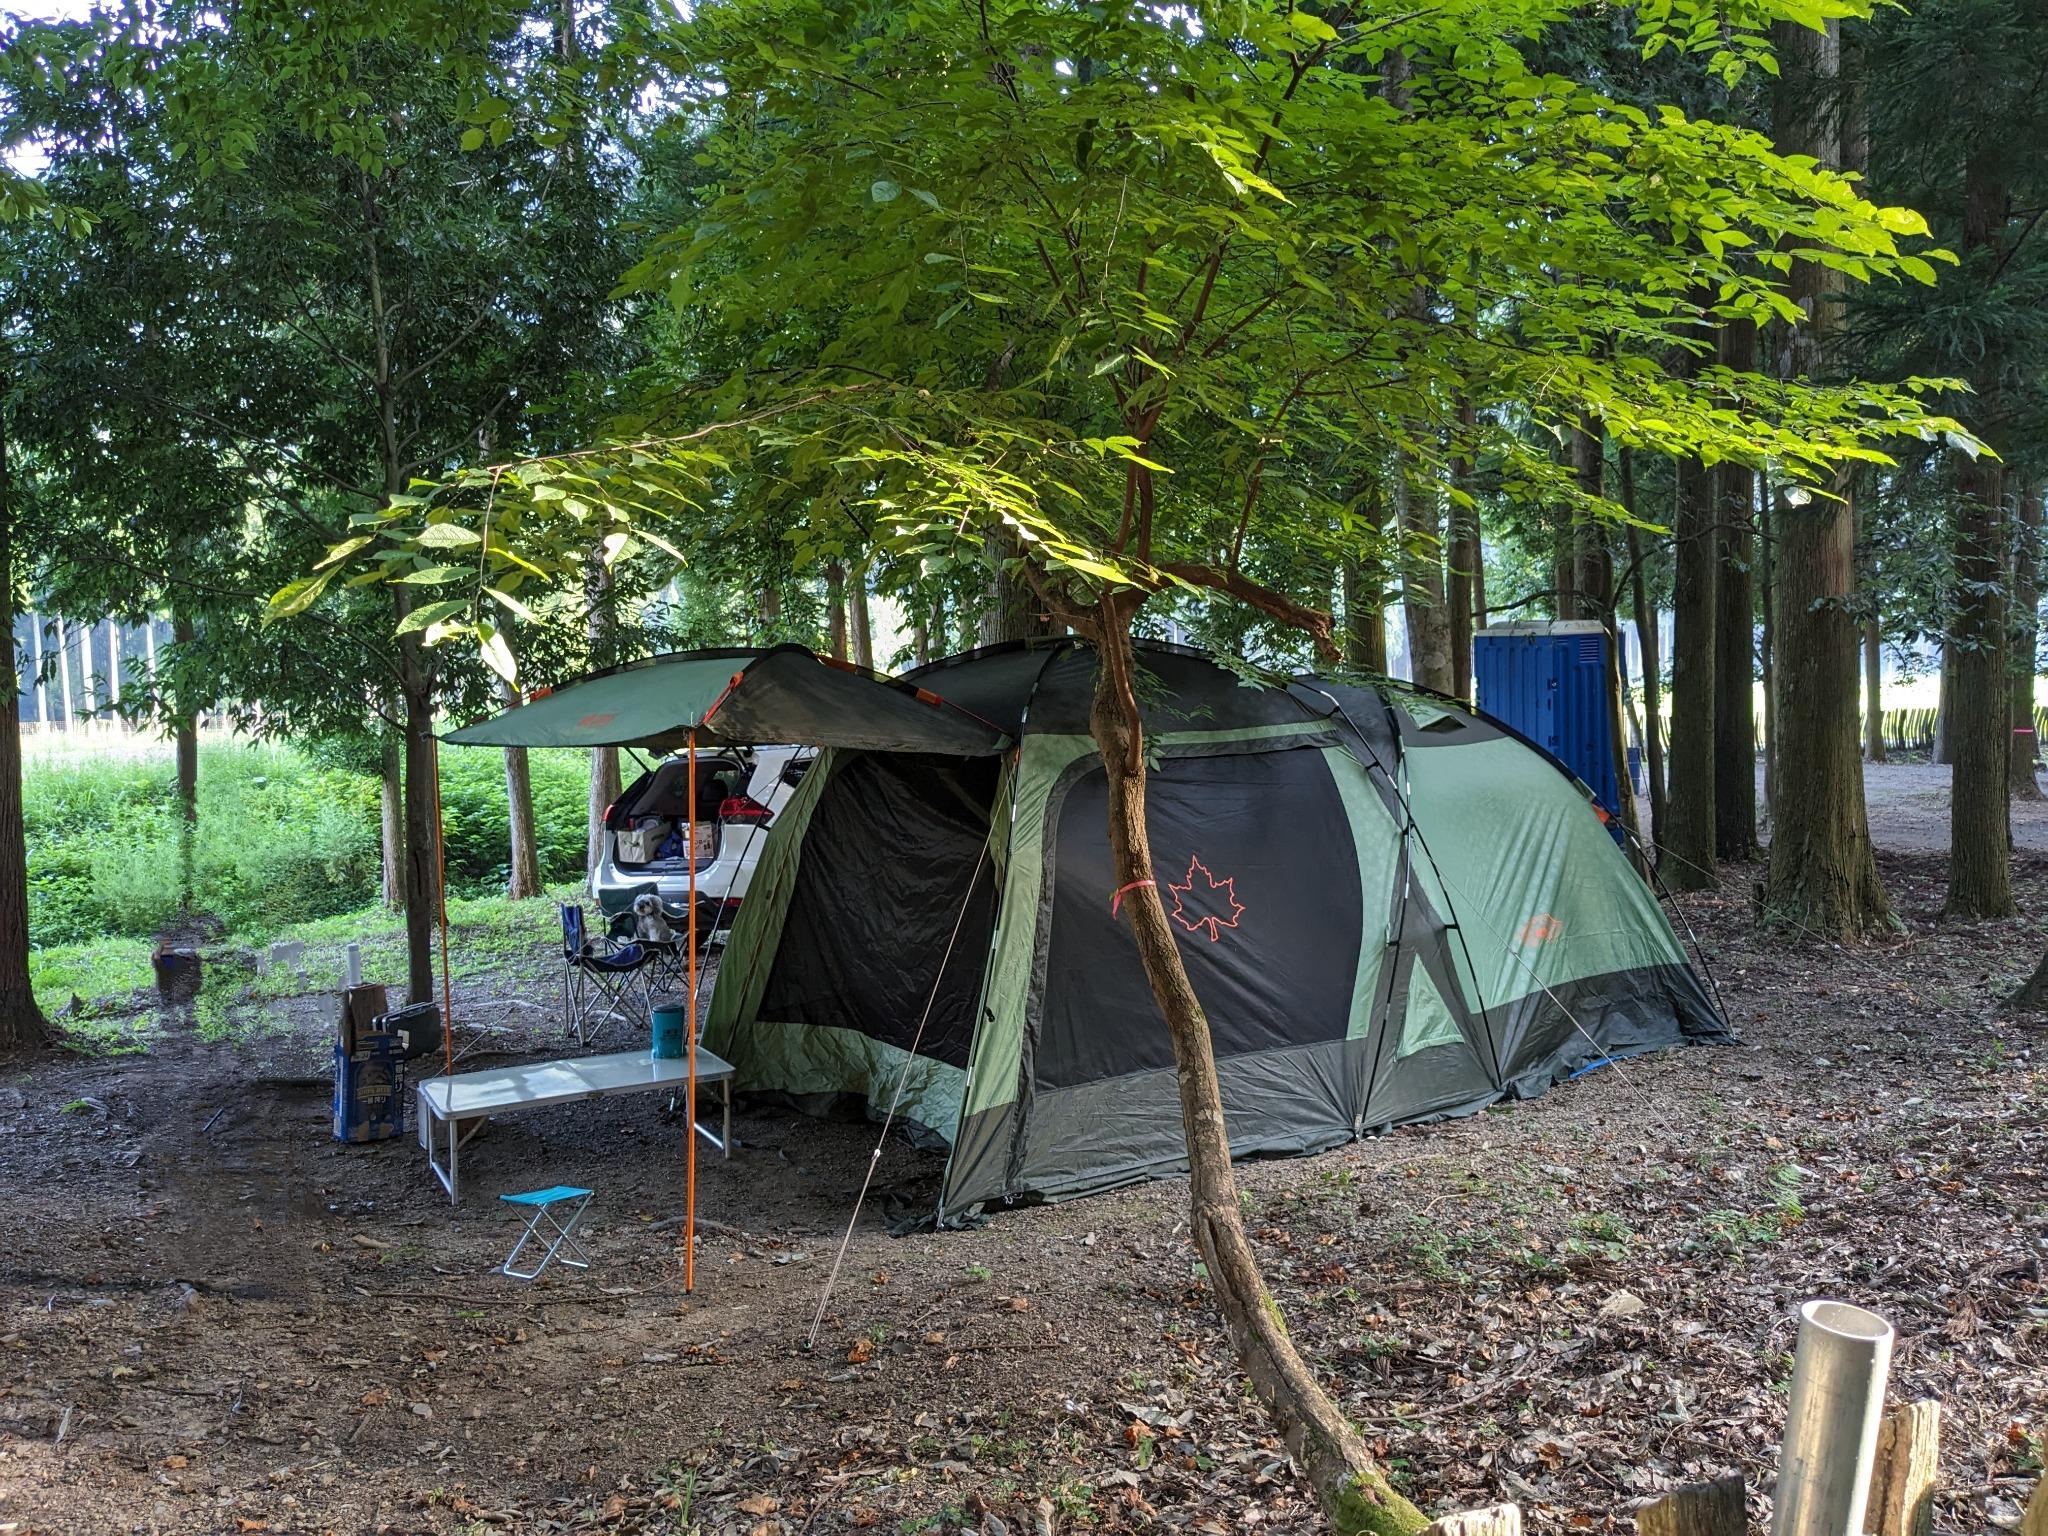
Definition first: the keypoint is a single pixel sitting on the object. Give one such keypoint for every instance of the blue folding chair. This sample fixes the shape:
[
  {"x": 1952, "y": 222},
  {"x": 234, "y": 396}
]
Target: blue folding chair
[
  {"x": 602, "y": 979},
  {"x": 542, "y": 1203}
]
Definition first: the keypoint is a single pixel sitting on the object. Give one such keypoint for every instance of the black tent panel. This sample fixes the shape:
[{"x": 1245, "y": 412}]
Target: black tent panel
[
  {"x": 1258, "y": 869},
  {"x": 888, "y": 859}
]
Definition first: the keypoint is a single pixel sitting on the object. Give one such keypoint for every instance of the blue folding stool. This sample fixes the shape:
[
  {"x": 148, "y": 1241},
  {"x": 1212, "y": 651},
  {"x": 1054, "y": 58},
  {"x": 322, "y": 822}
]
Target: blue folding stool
[{"x": 542, "y": 1203}]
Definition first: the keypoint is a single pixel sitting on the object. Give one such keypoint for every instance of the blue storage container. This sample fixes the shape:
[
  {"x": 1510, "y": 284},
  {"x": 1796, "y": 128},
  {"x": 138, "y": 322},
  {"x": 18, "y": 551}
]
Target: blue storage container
[
  {"x": 369, "y": 1089},
  {"x": 1548, "y": 680}
]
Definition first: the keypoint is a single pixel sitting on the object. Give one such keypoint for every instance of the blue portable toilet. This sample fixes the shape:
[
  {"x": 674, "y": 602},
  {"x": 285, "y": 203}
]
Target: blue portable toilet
[{"x": 1548, "y": 680}]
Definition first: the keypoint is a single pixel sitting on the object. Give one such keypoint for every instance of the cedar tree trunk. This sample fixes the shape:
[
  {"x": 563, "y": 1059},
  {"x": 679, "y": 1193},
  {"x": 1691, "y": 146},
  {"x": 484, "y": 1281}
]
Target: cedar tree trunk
[
  {"x": 1822, "y": 877},
  {"x": 391, "y": 788},
  {"x": 1980, "y": 732},
  {"x": 1465, "y": 557},
  {"x": 1354, "y": 1494},
  {"x": 185, "y": 751},
  {"x": 2026, "y": 625},
  {"x": 1647, "y": 637},
  {"x": 857, "y": 611},
  {"x": 1735, "y": 634},
  {"x": 1979, "y": 729},
  {"x": 1873, "y": 690},
  {"x": 1365, "y": 625},
  {"x": 835, "y": 611},
  {"x": 22, "y": 1025},
  {"x": 522, "y": 878},
  {"x": 1685, "y": 852},
  {"x": 1422, "y": 598}
]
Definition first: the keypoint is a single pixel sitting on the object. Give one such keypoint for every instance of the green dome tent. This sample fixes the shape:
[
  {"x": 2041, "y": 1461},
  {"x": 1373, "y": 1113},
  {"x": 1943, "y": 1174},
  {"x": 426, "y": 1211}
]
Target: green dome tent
[{"x": 1392, "y": 910}]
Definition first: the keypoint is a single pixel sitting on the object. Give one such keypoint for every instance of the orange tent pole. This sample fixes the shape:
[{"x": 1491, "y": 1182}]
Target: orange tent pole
[
  {"x": 690, "y": 1131},
  {"x": 441, "y": 902}
]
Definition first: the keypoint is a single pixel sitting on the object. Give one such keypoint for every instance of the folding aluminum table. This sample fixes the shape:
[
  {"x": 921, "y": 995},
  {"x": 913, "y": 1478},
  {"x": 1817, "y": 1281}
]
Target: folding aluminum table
[{"x": 452, "y": 1108}]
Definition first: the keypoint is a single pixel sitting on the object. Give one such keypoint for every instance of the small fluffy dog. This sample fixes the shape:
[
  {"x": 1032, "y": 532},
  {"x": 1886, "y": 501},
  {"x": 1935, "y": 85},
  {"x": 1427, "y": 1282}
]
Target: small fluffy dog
[{"x": 650, "y": 923}]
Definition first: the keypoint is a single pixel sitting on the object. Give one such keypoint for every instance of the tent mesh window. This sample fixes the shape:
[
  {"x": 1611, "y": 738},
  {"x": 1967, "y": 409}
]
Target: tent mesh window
[{"x": 888, "y": 857}]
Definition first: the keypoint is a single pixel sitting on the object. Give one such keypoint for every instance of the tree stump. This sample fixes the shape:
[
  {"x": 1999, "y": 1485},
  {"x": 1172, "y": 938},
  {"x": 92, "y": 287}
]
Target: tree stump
[
  {"x": 1902, "y": 1480},
  {"x": 1697, "y": 1509}
]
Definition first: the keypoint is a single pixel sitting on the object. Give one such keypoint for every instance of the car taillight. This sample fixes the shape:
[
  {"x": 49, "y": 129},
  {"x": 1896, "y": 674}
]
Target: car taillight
[{"x": 744, "y": 808}]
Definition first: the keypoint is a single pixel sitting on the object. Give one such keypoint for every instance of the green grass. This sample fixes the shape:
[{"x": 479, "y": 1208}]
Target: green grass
[
  {"x": 284, "y": 837},
  {"x": 103, "y": 993}
]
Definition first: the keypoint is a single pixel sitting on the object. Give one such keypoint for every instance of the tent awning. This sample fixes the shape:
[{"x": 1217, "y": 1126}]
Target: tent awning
[{"x": 739, "y": 697}]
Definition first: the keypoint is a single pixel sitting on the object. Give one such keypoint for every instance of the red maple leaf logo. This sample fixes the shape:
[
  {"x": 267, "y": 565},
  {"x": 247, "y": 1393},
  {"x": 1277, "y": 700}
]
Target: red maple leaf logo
[{"x": 1221, "y": 895}]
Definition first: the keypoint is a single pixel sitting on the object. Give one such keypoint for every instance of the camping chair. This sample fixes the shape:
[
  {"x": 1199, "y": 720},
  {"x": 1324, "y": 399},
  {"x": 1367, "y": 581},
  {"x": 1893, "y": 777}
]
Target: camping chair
[
  {"x": 668, "y": 967},
  {"x": 542, "y": 1203},
  {"x": 601, "y": 979}
]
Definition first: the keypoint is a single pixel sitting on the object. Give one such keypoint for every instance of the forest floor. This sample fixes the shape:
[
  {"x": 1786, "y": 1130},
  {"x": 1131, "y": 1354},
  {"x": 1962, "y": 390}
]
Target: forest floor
[{"x": 215, "y": 1319}]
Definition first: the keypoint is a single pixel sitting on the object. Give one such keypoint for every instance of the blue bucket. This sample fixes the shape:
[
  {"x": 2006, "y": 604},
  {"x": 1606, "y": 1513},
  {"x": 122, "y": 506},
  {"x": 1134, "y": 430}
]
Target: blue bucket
[{"x": 671, "y": 1028}]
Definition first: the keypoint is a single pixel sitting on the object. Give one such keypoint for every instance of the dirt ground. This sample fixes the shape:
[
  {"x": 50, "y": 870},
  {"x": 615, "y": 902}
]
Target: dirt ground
[{"x": 213, "y": 1318}]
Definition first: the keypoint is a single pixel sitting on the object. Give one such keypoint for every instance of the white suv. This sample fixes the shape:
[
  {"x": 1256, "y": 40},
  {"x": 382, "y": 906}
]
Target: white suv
[{"x": 739, "y": 792}]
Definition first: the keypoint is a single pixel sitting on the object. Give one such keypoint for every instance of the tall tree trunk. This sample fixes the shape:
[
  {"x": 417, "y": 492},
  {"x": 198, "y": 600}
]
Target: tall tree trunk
[
  {"x": 22, "y": 1025},
  {"x": 1647, "y": 637},
  {"x": 185, "y": 752},
  {"x": 1422, "y": 598},
  {"x": 1822, "y": 877},
  {"x": 64, "y": 673},
  {"x": 35, "y": 640},
  {"x": 1940, "y": 751},
  {"x": 1564, "y": 568},
  {"x": 863, "y": 630},
  {"x": 1735, "y": 633},
  {"x": 522, "y": 877},
  {"x": 1980, "y": 735},
  {"x": 1592, "y": 567},
  {"x": 1767, "y": 640},
  {"x": 1365, "y": 622},
  {"x": 2026, "y": 632},
  {"x": 1011, "y": 611},
  {"x": 391, "y": 796},
  {"x": 1685, "y": 852},
  {"x": 1873, "y": 690},
  {"x": 835, "y": 611},
  {"x": 422, "y": 845},
  {"x": 1354, "y": 1494},
  {"x": 1464, "y": 561}
]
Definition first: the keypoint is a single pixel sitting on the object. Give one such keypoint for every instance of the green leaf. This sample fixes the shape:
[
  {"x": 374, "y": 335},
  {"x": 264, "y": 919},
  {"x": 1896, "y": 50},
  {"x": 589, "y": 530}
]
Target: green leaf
[
  {"x": 473, "y": 138},
  {"x": 296, "y": 597},
  {"x": 336, "y": 553},
  {"x": 885, "y": 191},
  {"x": 432, "y": 613},
  {"x": 446, "y": 536}
]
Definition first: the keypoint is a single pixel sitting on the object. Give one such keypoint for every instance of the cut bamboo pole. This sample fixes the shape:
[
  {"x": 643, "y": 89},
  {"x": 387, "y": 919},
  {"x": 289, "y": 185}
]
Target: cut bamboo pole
[
  {"x": 1902, "y": 1482},
  {"x": 1697, "y": 1509}
]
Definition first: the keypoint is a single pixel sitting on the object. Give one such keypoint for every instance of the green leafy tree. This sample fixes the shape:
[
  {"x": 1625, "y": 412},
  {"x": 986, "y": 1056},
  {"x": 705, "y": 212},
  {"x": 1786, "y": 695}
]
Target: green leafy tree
[{"x": 350, "y": 271}]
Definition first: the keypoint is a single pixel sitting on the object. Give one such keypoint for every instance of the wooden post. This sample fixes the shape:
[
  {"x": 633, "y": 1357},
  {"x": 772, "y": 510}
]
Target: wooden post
[
  {"x": 1500, "y": 1520},
  {"x": 1902, "y": 1481},
  {"x": 1697, "y": 1509}
]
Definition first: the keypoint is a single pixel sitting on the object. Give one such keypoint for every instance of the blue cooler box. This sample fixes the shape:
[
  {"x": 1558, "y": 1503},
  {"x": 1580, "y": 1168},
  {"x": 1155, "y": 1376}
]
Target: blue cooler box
[{"x": 369, "y": 1089}]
